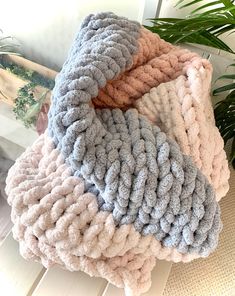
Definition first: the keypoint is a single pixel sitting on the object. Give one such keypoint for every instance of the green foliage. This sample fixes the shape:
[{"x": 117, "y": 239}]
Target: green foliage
[
  {"x": 225, "y": 115},
  {"x": 24, "y": 101},
  {"x": 200, "y": 28},
  {"x": 26, "y": 107}
]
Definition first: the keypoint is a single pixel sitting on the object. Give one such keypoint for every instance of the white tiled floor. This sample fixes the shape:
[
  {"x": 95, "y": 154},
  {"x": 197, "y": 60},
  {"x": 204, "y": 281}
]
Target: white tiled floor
[
  {"x": 5, "y": 220},
  {"x": 22, "y": 278}
]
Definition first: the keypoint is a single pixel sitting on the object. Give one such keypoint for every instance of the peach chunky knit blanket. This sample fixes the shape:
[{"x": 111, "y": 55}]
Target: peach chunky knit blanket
[{"x": 131, "y": 167}]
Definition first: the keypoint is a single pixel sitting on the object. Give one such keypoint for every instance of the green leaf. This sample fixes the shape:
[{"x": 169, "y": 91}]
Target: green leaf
[
  {"x": 227, "y": 4},
  {"x": 205, "y": 6},
  {"x": 228, "y": 136},
  {"x": 220, "y": 11},
  {"x": 180, "y": 1},
  {"x": 188, "y": 4},
  {"x": 221, "y": 30},
  {"x": 188, "y": 29},
  {"x": 230, "y": 76},
  {"x": 232, "y": 154},
  {"x": 167, "y": 20},
  {"x": 196, "y": 36},
  {"x": 225, "y": 117},
  {"x": 224, "y": 88}
]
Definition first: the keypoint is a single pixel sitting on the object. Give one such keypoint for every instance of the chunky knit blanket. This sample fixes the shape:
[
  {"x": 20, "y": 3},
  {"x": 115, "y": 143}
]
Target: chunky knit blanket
[{"x": 131, "y": 167}]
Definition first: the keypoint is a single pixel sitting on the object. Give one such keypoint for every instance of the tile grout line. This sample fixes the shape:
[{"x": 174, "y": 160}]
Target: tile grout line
[{"x": 36, "y": 282}]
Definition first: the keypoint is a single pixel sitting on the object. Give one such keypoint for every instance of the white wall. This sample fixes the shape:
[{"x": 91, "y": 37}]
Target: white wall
[{"x": 46, "y": 28}]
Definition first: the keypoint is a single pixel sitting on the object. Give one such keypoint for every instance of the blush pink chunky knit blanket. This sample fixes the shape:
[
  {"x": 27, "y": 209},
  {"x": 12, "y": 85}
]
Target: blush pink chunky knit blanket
[{"x": 131, "y": 167}]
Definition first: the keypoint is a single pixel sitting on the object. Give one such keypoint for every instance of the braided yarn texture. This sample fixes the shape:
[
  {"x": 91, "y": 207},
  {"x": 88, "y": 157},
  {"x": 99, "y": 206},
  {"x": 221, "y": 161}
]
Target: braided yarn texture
[
  {"x": 57, "y": 222},
  {"x": 131, "y": 167}
]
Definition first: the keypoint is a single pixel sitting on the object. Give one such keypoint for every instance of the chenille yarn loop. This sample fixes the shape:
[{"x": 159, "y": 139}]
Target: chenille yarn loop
[{"x": 122, "y": 175}]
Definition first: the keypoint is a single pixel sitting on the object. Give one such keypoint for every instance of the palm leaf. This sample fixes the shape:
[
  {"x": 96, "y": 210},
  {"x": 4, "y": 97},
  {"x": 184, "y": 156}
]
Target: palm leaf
[
  {"x": 190, "y": 31},
  {"x": 7, "y": 48},
  {"x": 187, "y": 4},
  {"x": 225, "y": 3},
  {"x": 225, "y": 120},
  {"x": 230, "y": 76},
  {"x": 221, "y": 30},
  {"x": 204, "y": 6},
  {"x": 224, "y": 88},
  {"x": 220, "y": 10},
  {"x": 198, "y": 28},
  {"x": 232, "y": 154}
]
